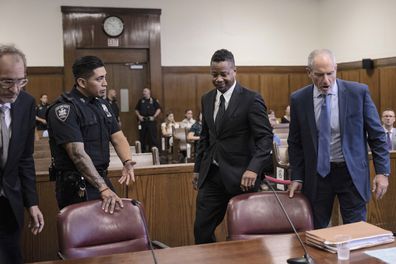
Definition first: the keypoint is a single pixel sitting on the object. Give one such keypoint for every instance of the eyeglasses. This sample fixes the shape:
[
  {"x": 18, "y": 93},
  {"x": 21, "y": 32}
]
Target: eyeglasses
[{"x": 8, "y": 83}]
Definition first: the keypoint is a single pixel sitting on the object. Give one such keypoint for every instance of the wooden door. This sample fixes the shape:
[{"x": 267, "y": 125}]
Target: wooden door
[{"x": 122, "y": 77}]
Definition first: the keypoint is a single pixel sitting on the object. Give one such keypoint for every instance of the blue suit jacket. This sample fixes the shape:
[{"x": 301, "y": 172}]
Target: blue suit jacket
[{"x": 359, "y": 125}]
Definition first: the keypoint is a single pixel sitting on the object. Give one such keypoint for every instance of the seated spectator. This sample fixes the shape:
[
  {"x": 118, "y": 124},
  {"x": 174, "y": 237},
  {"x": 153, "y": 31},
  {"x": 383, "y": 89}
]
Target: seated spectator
[
  {"x": 188, "y": 121},
  {"x": 286, "y": 118},
  {"x": 168, "y": 125},
  {"x": 273, "y": 122},
  {"x": 195, "y": 132},
  {"x": 388, "y": 120}
]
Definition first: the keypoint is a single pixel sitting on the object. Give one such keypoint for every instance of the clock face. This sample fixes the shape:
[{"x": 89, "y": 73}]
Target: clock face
[{"x": 113, "y": 26}]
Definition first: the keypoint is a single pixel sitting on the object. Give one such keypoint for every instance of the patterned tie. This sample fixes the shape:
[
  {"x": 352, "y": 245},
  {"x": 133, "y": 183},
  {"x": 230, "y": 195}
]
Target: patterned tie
[
  {"x": 5, "y": 136},
  {"x": 220, "y": 113},
  {"x": 388, "y": 140},
  {"x": 324, "y": 139}
]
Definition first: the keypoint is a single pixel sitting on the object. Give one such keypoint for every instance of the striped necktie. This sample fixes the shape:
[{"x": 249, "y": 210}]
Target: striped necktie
[
  {"x": 5, "y": 136},
  {"x": 323, "y": 166}
]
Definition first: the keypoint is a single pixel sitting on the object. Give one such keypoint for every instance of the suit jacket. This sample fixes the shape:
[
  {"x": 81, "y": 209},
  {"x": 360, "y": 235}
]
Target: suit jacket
[
  {"x": 18, "y": 174},
  {"x": 359, "y": 125},
  {"x": 244, "y": 141}
]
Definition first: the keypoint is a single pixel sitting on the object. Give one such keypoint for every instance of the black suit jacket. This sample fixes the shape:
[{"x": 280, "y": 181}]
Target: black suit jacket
[
  {"x": 244, "y": 141},
  {"x": 18, "y": 174}
]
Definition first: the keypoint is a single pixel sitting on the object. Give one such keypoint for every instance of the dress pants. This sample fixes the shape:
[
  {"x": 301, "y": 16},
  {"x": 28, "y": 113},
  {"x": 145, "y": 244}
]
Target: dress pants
[
  {"x": 338, "y": 183},
  {"x": 148, "y": 135},
  {"x": 211, "y": 206},
  {"x": 10, "y": 235}
]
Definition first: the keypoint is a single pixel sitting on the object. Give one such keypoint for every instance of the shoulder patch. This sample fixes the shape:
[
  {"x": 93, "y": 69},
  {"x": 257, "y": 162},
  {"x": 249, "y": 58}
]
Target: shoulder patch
[
  {"x": 62, "y": 112},
  {"x": 104, "y": 107}
]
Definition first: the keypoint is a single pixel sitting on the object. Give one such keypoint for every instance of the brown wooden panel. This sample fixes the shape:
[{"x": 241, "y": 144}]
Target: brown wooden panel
[
  {"x": 371, "y": 78},
  {"x": 249, "y": 80},
  {"x": 350, "y": 75},
  {"x": 387, "y": 87},
  {"x": 298, "y": 81},
  {"x": 48, "y": 80},
  {"x": 180, "y": 94},
  {"x": 383, "y": 212},
  {"x": 275, "y": 90}
]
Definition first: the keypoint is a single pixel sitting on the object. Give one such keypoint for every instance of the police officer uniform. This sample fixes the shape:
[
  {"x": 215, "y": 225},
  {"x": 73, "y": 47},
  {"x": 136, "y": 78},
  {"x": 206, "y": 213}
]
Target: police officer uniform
[
  {"x": 41, "y": 109},
  {"x": 77, "y": 118},
  {"x": 148, "y": 129},
  {"x": 114, "y": 107}
]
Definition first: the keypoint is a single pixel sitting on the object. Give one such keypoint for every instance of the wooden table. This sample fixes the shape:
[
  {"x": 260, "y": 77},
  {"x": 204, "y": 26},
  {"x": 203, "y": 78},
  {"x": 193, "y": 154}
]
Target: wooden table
[{"x": 271, "y": 249}]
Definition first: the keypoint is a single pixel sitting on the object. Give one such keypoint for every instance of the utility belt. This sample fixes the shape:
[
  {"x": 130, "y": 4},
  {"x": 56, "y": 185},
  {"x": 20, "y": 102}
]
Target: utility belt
[{"x": 71, "y": 181}]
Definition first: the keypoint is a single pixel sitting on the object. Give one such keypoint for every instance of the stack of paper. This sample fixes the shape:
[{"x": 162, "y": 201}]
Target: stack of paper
[{"x": 362, "y": 235}]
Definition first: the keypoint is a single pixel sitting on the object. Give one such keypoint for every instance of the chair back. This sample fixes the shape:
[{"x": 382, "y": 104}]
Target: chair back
[
  {"x": 138, "y": 146},
  {"x": 85, "y": 230},
  {"x": 253, "y": 215}
]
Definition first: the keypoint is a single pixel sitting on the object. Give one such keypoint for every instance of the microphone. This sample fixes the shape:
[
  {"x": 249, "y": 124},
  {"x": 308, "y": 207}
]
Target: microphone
[
  {"x": 306, "y": 258},
  {"x": 138, "y": 205}
]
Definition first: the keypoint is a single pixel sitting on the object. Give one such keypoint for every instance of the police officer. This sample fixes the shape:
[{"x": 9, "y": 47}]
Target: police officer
[
  {"x": 147, "y": 110},
  {"x": 80, "y": 126},
  {"x": 112, "y": 100},
  {"x": 41, "y": 109}
]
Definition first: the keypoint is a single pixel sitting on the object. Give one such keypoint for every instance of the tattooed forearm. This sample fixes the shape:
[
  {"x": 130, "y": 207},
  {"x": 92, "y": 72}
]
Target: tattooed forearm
[{"x": 84, "y": 164}]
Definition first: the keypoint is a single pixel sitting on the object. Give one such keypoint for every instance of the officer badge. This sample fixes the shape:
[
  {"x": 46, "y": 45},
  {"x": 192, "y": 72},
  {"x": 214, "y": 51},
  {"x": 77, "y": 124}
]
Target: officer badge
[
  {"x": 108, "y": 114},
  {"x": 62, "y": 112}
]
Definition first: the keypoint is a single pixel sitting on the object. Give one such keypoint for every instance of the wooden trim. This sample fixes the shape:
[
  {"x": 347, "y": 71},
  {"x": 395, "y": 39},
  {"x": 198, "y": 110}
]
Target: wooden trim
[
  {"x": 45, "y": 70},
  {"x": 354, "y": 65},
  {"x": 107, "y": 10},
  {"x": 240, "y": 69}
]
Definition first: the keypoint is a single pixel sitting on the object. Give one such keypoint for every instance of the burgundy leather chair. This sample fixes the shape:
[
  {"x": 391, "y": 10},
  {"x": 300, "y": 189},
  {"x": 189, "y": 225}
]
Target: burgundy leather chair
[
  {"x": 85, "y": 230},
  {"x": 253, "y": 215}
]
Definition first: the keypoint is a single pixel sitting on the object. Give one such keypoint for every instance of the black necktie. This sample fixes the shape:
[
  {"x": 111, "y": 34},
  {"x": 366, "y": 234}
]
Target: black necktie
[{"x": 220, "y": 113}]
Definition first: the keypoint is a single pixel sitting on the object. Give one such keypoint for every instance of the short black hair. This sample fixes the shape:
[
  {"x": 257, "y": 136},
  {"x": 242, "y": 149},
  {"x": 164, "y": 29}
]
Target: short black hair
[
  {"x": 83, "y": 67},
  {"x": 223, "y": 55}
]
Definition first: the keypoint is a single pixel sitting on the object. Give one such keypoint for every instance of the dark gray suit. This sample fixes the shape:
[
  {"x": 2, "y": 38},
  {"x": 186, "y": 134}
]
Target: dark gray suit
[
  {"x": 243, "y": 142},
  {"x": 18, "y": 176}
]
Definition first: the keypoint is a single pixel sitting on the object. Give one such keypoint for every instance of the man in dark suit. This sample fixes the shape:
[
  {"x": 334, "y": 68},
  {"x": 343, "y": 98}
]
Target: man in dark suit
[
  {"x": 17, "y": 172},
  {"x": 328, "y": 149},
  {"x": 235, "y": 145}
]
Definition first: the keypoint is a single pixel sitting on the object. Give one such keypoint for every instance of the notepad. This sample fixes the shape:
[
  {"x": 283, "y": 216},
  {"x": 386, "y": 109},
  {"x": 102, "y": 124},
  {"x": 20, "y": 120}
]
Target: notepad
[{"x": 362, "y": 235}]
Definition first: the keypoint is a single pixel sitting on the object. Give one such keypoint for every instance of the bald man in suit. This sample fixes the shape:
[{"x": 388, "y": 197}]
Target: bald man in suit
[
  {"x": 17, "y": 173},
  {"x": 331, "y": 123}
]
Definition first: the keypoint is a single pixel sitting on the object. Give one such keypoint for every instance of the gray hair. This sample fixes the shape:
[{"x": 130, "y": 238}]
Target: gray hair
[
  {"x": 317, "y": 52},
  {"x": 12, "y": 50}
]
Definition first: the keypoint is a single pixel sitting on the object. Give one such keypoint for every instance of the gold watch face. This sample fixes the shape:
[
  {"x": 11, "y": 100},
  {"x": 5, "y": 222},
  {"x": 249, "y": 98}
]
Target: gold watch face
[{"x": 113, "y": 26}]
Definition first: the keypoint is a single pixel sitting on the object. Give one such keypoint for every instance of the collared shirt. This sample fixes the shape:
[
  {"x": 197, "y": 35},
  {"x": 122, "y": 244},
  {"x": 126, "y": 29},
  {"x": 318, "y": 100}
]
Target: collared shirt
[
  {"x": 335, "y": 143},
  {"x": 227, "y": 97},
  {"x": 8, "y": 122}
]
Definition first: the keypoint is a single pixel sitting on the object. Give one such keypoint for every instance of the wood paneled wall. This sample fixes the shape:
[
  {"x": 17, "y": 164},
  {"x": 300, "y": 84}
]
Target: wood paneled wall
[
  {"x": 184, "y": 86},
  {"x": 45, "y": 80}
]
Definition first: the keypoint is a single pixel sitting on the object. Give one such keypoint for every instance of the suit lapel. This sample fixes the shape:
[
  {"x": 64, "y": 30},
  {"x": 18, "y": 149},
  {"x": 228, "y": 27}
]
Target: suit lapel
[
  {"x": 342, "y": 106},
  {"x": 309, "y": 105},
  {"x": 210, "y": 103},
  {"x": 15, "y": 129},
  {"x": 232, "y": 106}
]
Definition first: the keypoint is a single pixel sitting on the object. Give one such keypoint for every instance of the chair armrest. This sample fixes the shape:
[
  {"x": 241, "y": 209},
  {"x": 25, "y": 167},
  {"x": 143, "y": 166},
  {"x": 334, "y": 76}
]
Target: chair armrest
[{"x": 158, "y": 245}]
